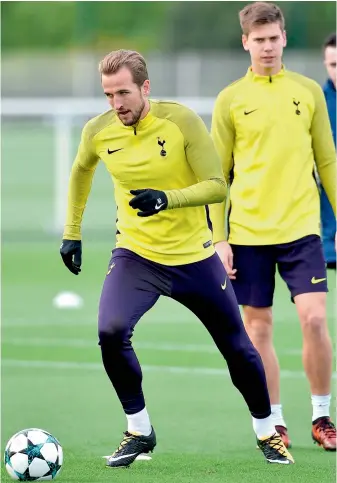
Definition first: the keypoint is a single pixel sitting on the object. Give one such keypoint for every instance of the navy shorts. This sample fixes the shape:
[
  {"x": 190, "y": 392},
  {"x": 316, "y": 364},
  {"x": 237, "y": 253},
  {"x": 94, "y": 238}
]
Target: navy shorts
[{"x": 300, "y": 263}]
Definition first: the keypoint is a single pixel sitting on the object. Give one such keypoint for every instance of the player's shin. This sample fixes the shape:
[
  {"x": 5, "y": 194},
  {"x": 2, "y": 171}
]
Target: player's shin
[
  {"x": 247, "y": 373},
  {"x": 123, "y": 369},
  {"x": 248, "y": 376}
]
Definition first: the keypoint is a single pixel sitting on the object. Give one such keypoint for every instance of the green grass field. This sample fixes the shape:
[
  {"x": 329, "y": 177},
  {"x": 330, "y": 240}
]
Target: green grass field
[{"x": 52, "y": 378}]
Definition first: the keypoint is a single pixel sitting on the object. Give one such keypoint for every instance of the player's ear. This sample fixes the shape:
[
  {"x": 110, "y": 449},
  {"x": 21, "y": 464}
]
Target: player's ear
[
  {"x": 146, "y": 87},
  {"x": 245, "y": 42},
  {"x": 284, "y": 35}
]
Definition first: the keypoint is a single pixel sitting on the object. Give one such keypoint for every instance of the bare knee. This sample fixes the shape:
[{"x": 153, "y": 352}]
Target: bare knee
[
  {"x": 259, "y": 323},
  {"x": 313, "y": 323},
  {"x": 312, "y": 314}
]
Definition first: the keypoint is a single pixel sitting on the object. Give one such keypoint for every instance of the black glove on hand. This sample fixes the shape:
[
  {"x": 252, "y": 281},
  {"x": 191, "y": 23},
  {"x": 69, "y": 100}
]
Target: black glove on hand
[
  {"x": 148, "y": 201},
  {"x": 71, "y": 253}
]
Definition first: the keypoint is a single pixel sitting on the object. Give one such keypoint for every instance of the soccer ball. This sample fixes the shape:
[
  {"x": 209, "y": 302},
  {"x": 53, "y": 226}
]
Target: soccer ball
[{"x": 33, "y": 455}]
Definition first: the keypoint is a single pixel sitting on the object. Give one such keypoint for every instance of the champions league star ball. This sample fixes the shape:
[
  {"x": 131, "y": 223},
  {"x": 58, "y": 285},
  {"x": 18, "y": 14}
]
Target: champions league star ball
[{"x": 33, "y": 455}]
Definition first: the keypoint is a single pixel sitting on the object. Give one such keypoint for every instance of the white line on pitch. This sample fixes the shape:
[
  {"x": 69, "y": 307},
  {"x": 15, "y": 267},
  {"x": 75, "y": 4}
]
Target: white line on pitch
[
  {"x": 8, "y": 323},
  {"x": 86, "y": 343},
  {"x": 199, "y": 371}
]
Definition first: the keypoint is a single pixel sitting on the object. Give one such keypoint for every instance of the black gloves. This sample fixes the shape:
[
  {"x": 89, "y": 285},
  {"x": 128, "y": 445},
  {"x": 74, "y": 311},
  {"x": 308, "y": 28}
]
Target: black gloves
[
  {"x": 148, "y": 201},
  {"x": 71, "y": 253}
]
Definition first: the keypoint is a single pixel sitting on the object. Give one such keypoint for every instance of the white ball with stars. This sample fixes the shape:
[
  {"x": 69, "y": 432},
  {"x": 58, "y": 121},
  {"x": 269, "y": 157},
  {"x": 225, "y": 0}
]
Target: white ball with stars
[{"x": 33, "y": 455}]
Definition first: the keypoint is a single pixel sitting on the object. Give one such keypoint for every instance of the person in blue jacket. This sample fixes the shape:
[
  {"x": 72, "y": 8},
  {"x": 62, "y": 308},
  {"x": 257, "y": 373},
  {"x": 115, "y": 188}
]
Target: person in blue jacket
[{"x": 328, "y": 219}]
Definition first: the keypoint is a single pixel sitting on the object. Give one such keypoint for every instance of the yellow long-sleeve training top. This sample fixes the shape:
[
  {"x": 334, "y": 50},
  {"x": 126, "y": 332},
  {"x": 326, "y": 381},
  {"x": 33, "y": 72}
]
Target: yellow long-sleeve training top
[
  {"x": 169, "y": 150},
  {"x": 269, "y": 132}
]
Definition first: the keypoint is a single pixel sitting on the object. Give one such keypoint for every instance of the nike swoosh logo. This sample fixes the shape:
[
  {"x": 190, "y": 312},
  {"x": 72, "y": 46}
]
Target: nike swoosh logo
[
  {"x": 224, "y": 285},
  {"x": 315, "y": 280},
  {"x": 249, "y": 112},
  {"x": 157, "y": 207},
  {"x": 114, "y": 150},
  {"x": 112, "y": 458}
]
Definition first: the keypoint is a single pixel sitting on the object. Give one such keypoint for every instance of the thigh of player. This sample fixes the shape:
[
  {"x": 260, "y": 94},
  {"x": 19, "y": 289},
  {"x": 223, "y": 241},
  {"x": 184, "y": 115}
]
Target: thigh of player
[
  {"x": 301, "y": 265},
  {"x": 255, "y": 277},
  {"x": 205, "y": 288},
  {"x": 131, "y": 287}
]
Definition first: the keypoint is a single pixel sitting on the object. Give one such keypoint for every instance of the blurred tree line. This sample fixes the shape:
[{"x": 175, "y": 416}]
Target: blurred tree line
[{"x": 148, "y": 26}]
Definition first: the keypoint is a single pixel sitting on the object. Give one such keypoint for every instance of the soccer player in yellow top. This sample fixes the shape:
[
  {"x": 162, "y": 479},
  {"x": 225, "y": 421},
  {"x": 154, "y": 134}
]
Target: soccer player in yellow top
[
  {"x": 270, "y": 127},
  {"x": 165, "y": 169}
]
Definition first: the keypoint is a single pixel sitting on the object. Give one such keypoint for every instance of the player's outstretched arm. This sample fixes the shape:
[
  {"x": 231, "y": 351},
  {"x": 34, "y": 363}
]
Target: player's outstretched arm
[{"x": 80, "y": 181}]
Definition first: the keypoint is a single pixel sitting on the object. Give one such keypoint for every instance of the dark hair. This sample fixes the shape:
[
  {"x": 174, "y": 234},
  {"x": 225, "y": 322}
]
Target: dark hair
[
  {"x": 330, "y": 41},
  {"x": 260, "y": 13}
]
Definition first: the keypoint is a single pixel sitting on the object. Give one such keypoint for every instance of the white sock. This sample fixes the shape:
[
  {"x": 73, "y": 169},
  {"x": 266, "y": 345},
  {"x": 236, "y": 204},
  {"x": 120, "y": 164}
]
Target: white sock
[
  {"x": 139, "y": 422},
  {"x": 264, "y": 427},
  {"x": 320, "y": 406},
  {"x": 277, "y": 415}
]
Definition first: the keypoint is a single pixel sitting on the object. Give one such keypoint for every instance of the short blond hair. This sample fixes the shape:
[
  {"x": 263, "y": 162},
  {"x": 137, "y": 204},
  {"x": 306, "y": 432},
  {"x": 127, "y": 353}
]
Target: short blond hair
[
  {"x": 131, "y": 59},
  {"x": 260, "y": 13}
]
